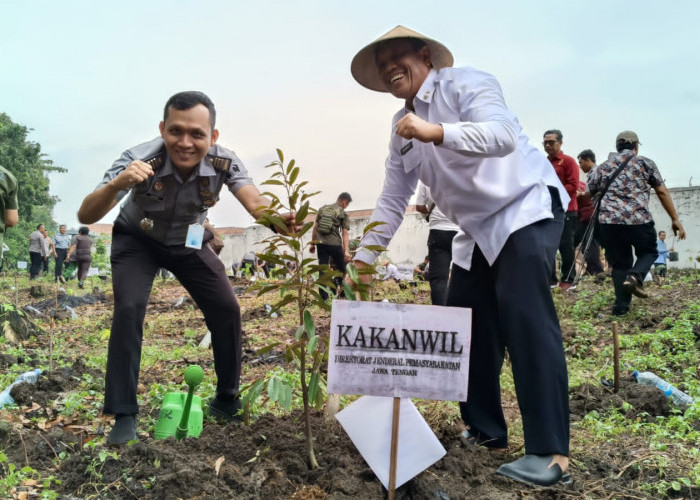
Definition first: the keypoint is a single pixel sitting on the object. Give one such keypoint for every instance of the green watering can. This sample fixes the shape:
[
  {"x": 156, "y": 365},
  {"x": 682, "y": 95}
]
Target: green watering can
[{"x": 181, "y": 413}]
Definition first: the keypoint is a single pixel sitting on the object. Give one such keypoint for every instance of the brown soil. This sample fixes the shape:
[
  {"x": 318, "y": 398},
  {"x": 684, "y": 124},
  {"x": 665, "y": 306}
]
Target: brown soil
[{"x": 267, "y": 460}]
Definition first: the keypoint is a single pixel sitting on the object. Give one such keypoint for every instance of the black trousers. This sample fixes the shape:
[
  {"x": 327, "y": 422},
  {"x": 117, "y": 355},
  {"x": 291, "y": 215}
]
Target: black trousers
[
  {"x": 619, "y": 240},
  {"x": 513, "y": 310},
  {"x": 567, "y": 250},
  {"x": 592, "y": 257},
  {"x": 326, "y": 253},
  {"x": 135, "y": 261},
  {"x": 60, "y": 259},
  {"x": 440, "y": 256},
  {"x": 36, "y": 264}
]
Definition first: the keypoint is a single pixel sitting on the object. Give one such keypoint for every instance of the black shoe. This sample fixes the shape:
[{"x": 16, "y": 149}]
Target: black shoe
[
  {"x": 81, "y": 284},
  {"x": 635, "y": 287},
  {"x": 226, "y": 409},
  {"x": 124, "y": 430},
  {"x": 620, "y": 310},
  {"x": 534, "y": 469}
]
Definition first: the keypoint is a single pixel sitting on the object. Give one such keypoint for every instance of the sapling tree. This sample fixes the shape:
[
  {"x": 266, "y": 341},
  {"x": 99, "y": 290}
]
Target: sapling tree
[{"x": 299, "y": 279}]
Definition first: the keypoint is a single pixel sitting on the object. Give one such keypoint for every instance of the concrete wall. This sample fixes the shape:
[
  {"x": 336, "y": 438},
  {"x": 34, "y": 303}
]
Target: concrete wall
[
  {"x": 409, "y": 245},
  {"x": 687, "y": 203}
]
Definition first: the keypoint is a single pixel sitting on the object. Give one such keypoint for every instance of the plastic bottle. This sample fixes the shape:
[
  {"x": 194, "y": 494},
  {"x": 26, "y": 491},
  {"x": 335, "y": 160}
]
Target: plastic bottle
[
  {"x": 29, "y": 377},
  {"x": 679, "y": 397}
]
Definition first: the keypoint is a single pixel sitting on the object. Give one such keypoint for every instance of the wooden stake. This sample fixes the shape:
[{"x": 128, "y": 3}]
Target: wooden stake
[
  {"x": 394, "y": 448},
  {"x": 616, "y": 358}
]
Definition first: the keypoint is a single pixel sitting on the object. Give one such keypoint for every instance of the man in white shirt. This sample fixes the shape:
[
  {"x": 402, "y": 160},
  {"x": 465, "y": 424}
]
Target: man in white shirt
[
  {"x": 442, "y": 232},
  {"x": 456, "y": 135}
]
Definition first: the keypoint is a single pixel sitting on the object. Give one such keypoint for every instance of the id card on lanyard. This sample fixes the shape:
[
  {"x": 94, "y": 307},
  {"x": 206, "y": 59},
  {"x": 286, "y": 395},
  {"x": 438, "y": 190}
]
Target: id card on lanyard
[{"x": 195, "y": 236}]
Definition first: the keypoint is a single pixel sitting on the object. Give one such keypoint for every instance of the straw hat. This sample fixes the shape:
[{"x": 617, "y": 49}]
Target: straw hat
[{"x": 364, "y": 67}]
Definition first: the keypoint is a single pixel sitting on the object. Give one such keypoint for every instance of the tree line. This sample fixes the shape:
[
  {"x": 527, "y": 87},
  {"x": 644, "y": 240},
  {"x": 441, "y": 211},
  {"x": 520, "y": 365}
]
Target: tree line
[{"x": 24, "y": 159}]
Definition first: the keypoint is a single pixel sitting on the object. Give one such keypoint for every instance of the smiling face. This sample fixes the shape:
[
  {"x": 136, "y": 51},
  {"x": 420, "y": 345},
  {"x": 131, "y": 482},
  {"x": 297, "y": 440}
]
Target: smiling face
[
  {"x": 402, "y": 69},
  {"x": 188, "y": 136}
]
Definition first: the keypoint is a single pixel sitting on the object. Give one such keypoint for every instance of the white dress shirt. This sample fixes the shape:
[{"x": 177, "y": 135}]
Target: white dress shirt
[
  {"x": 485, "y": 176},
  {"x": 437, "y": 220}
]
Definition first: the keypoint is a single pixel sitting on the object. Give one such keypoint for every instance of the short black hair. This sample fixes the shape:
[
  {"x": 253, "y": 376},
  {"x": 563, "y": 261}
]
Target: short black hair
[
  {"x": 622, "y": 145},
  {"x": 39, "y": 226},
  {"x": 587, "y": 154},
  {"x": 188, "y": 100},
  {"x": 345, "y": 197},
  {"x": 662, "y": 232},
  {"x": 84, "y": 230},
  {"x": 560, "y": 136}
]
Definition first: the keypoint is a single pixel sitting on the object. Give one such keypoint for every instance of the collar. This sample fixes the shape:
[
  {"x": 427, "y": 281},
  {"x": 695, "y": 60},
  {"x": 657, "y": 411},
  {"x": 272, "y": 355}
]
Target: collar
[
  {"x": 559, "y": 156},
  {"x": 204, "y": 169},
  {"x": 427, "y": 89}
]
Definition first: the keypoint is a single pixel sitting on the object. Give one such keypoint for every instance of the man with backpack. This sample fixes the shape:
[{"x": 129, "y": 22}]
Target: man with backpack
[{"x": 330, "y": 236}]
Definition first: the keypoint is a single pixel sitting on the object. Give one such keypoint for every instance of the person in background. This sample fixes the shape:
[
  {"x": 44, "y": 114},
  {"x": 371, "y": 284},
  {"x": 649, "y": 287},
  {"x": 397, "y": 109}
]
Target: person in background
[
  {"x": 625, "y": 221},
  {"x": 82, "y": 249},
  {"x": 48, "y": 251},
  {"x": 61, "y": 243},
  {"x": 422, "y": 270},
  {"x": 442, "y": 232},
  {"x": 36, "y": 251},
  {"x": 662, "y": 249},
  {"x": 331, "y": 237},
  {"x": 594, "y": 267},
  {"x": 567, "y": 171},
  {"x": 455, "y": 133}
]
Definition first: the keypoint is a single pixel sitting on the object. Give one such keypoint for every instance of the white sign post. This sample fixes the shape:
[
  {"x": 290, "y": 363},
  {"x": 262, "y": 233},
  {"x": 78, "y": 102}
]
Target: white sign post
[{"x": 399, "y": 351}]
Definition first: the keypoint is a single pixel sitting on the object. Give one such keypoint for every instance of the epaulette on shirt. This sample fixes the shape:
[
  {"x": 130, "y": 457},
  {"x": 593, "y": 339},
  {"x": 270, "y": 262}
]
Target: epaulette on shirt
[
  {"x": 221, "y": 163},
  {"x": 157, "y": 161}
]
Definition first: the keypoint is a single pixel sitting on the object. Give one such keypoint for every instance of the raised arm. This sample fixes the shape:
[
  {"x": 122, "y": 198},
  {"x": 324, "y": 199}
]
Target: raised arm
[
  {"x": 103, "y": 199},
  {"x": 665, "y": 198}
]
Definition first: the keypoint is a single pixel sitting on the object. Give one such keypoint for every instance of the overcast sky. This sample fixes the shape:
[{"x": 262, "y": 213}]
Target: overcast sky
[{"x": 91, "y": 79}]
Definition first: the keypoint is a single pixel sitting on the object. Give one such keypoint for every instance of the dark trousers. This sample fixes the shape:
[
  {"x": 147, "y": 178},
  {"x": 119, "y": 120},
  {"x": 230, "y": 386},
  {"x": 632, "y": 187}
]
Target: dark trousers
[
  {"x": 566, "y": 250},
  {"x": 45, "y": 265},
  {"x": 135, "y": 261},
  {"x": 512, "y": 308},
  {"x": 36, "y": 263},
  {"x": 326, "y": 253},
  {"x": 440, "y": 256},
  {"x": 60, "y": 259},
  {"x": 83, "y": 267},
  {"x": 592, "y": 257},
  {"x": 619, "y": 240}
]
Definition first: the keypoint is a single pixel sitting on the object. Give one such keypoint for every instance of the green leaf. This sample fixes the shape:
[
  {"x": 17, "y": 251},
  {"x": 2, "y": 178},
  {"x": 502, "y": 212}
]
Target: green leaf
[
  {"x": 266, "y": 349},
  {"x": 300, "y": 332},
  {"x": 280, "y": 155},
  {"x": 370, "y": 227},
  {"x": 302, "y": 213},
  {"x": 285, "y": 395},
  {"x": 309, "y": 323},
  {"x": 349, "y": 292},
  {"x": 273, "y": 389},
  {"x": 313, "y": 343},
  {"x": 293, "y": 176},
  {"x": 313, "y": 386},
  {"x": 272, "y": 182}
]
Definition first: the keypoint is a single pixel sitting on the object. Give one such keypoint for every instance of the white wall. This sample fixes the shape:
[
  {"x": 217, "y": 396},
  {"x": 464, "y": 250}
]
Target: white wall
[{"x": 687, "y": 203}]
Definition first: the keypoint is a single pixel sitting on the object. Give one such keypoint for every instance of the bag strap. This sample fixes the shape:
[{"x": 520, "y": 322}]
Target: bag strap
[{"x": 599, "y": 196}]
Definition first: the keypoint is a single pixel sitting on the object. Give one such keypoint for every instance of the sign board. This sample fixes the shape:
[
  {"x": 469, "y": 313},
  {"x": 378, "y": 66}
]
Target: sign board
[
  {"x": 21, "y": 264},
  {"x": 399, "y": 350}
]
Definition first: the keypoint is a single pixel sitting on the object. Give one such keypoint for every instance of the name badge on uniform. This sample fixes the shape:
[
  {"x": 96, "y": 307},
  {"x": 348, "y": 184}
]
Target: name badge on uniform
[
  {"x": 406, "y": 148},
  {"x": 195, "y": 236}
]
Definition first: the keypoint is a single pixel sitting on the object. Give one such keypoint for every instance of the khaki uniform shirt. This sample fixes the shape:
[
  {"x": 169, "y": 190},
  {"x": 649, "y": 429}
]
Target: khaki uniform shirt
[{"x": 340, "y": 222}]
